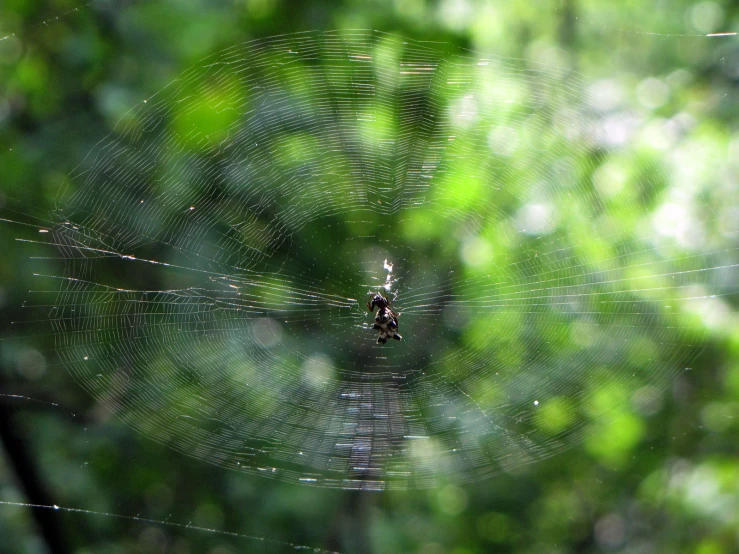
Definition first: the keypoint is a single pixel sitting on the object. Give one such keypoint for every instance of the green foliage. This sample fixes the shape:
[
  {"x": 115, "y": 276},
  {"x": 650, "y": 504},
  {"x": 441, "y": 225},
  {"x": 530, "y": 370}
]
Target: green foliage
[{"x": 656, "y": 469}]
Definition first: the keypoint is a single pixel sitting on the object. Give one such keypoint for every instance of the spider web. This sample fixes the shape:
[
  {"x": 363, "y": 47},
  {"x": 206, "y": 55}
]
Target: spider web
[{"x": 220, "y": 245}]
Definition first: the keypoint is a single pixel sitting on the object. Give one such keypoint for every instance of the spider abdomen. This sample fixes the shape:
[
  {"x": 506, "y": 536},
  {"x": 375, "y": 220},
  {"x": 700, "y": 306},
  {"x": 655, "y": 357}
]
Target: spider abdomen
[{"x": 386, "y": 320}]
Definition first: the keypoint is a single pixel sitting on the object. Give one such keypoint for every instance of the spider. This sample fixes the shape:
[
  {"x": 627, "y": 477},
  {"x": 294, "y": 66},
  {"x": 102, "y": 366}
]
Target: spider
[{"x": 386, "y": 320}]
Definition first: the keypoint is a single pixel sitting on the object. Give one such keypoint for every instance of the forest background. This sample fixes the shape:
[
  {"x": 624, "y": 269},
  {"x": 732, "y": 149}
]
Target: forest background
[{"x": 664, "y": 477}]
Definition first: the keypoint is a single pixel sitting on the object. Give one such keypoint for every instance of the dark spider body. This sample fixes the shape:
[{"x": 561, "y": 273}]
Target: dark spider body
[{"x": 386, "y": 320}]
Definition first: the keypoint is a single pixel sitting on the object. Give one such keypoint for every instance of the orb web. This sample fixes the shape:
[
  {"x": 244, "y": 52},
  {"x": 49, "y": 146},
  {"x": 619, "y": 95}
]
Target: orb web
[{"x": 221, "y": 244}]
